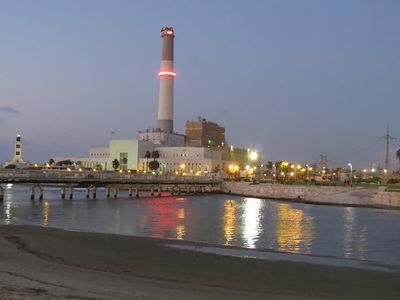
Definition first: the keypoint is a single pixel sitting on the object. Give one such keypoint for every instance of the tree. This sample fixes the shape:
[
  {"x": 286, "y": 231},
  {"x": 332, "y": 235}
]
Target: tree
[
  {"x": 155, "y": 154},
  {"x": 51, "y": 161},
  {"x": 154, "y": 165},
  {"x": 147, "y": 155},
  {"x": 398, "y": 157},
  {"x": 67, "y": 162},
  {"x": 98, "y": 167},
  {"x": 115, "y": 164}
]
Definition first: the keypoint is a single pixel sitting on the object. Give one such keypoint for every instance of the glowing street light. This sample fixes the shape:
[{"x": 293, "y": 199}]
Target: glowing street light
[
  {"x": 351, "y": 174},
  {"x": 253, "y": 155},
  {"x": 308, "y": 174}
]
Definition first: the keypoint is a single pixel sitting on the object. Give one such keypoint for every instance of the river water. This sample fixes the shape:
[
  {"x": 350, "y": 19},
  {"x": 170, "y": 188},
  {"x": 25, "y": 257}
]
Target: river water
[{"x": 366, "y": 234}]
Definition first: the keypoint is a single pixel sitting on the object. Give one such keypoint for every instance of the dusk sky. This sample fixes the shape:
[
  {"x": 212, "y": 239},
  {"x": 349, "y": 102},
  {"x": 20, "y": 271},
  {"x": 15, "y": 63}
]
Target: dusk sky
[{"x": 293, "y": 79}]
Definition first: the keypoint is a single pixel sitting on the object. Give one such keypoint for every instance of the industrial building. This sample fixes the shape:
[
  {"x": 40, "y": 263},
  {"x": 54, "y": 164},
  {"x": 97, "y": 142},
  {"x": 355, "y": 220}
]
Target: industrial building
[
  {"x": 203, "y": 133},
  {"x": 202, "y": 150},
  {"x": 187, "y": 160}
]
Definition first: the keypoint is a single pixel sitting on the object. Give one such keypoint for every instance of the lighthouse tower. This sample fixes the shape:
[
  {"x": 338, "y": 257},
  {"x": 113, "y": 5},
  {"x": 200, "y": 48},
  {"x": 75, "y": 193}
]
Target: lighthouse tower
[{"x": 18, "y": 150}]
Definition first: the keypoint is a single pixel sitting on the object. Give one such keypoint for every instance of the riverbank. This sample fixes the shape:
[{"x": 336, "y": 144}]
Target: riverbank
[
  {"x": 328, "y": 195},
  {"x": 43, "y": 263}
]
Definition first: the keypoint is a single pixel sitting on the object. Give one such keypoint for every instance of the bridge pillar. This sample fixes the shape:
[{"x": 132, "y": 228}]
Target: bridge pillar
[
  {"x": 108, "y": 192},
  {"x": 71, "y": 193},
  {"x": 33, "y": 192},
  {"x": 63, "y": 192},
  {"x": 137, "y": 193},
  {"x": 152, "y": 191},
  {"x": 94, "y": 192},
  {"x": 115, "y": 192},
  {"x": 159, "y": 191},
  {"x": 1, "y": 193},
  {"x": 130, "y": 192},
  {"x": 88, "y": 192},
  {"x": 40, "y": 193},
  {"x": 179, "y": 191}
]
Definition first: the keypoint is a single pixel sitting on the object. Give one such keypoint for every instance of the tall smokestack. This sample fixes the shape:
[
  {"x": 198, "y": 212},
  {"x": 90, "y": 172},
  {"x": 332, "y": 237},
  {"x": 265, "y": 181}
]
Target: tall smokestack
[{"x": 167, "y": 74}]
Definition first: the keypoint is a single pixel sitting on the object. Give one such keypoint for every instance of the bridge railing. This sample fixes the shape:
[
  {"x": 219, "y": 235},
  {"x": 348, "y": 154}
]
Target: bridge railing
[{"x": 77, "y": 176}]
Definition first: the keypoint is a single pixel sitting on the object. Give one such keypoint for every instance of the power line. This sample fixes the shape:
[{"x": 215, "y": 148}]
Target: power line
[{"x": 388, "y": 138}]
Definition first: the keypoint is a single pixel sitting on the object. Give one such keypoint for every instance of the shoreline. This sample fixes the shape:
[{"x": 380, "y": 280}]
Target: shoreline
[
  {"x": 49, "y": 262},
  {"x": 312, "y": 202},
  {"x": 316, "y": 195}
]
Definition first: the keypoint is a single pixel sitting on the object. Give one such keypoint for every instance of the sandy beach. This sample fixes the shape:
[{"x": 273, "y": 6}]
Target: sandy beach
[{"x": 44, "y": 263}]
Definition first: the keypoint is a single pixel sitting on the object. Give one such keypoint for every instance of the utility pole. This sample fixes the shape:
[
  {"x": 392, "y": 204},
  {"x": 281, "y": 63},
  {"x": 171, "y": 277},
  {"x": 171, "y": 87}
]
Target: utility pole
[{"x": 388, "y": 138}]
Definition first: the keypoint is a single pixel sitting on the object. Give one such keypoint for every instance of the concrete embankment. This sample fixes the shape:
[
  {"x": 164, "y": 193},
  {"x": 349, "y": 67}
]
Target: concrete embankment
[{"x": 329, "y": 195}]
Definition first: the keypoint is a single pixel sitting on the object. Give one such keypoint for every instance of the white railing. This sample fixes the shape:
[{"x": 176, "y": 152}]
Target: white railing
[{"x": 76, "y": 176}]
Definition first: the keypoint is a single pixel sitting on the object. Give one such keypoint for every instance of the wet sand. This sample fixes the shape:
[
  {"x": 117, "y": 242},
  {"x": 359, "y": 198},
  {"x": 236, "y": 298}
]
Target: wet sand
[{"x": 44, "y": 263}]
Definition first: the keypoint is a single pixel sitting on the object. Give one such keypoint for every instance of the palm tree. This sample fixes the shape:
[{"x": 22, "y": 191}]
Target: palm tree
[
  {"x": 115, "y": 164},
  {"x": 398, "y": 157},
  {"x": 147, "y": 155},
  {"x": 155, "y": 154}
]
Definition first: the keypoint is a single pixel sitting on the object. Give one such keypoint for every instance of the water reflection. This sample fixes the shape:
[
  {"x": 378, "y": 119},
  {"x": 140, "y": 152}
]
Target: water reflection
[
  {"x": 180, "y": 225},
  {"x": 251, "y": 221},
  {"x": 46, "y": 212},
  {"x": 230, "y": 220},
  {"x": 295, "y": 232},
  {"x": 348, "y": 235},
  {"x": 355, "y": 237},
  {"x": 165, "y": 219},
  {"x": 230, "y": 212},
  {"x": 8, "y": 213}
]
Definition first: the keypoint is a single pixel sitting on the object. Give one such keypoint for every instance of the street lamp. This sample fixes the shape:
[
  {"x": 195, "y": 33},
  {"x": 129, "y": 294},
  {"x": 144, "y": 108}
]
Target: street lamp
[
  {"x": 253, "y": 155},
  {"x": 274, "y": 170},
  {"x": 351, "y": 174},
  {"x": 308, "y": 174}
]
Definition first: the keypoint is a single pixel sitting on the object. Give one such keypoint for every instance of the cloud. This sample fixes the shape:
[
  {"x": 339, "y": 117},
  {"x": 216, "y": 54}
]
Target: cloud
[{"x": 9, "y": 110}]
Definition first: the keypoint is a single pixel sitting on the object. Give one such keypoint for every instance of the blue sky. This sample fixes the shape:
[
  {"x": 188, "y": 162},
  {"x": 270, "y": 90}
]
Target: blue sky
[{"x": 292, "y": 78}]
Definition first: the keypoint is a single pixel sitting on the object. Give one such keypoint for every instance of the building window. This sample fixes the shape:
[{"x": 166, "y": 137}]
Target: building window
[
  {"x": 18, "y": 146},
  {"x": 17, "y": 153},
  {"x": 123, "y": 160}
]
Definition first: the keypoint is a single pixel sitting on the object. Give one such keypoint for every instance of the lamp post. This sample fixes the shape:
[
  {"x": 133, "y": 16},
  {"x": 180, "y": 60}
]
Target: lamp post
[
  {"x": 308, "y": 174},
  {"x": 253, "y": 157},
  {"x": 351, "y": 174},
  {"x": 274, "y": 170}
]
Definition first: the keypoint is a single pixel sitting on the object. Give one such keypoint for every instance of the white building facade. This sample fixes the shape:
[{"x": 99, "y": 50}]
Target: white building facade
[
  {"x": 188, "y": 160},
  {"x": 127, "y": 152}
]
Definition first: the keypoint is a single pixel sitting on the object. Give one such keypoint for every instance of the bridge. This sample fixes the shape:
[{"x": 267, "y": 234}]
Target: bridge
[{"x": 113, "y": 181}]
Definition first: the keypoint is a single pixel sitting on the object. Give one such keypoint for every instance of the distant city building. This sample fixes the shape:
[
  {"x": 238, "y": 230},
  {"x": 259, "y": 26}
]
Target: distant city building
[{"x": 203, "y": 133}]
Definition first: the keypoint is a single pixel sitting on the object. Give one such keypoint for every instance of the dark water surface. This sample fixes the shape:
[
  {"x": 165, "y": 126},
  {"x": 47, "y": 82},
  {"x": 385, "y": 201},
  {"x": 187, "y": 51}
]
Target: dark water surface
[{"x": 344, "y": 232}]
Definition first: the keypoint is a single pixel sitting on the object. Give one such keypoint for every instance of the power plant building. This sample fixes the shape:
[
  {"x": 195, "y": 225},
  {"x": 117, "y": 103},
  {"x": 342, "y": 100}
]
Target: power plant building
[
  {"x": 203, "y": 133},
  {"x": 202, "y": 150},
  {"x": 187, "y": 160}
]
